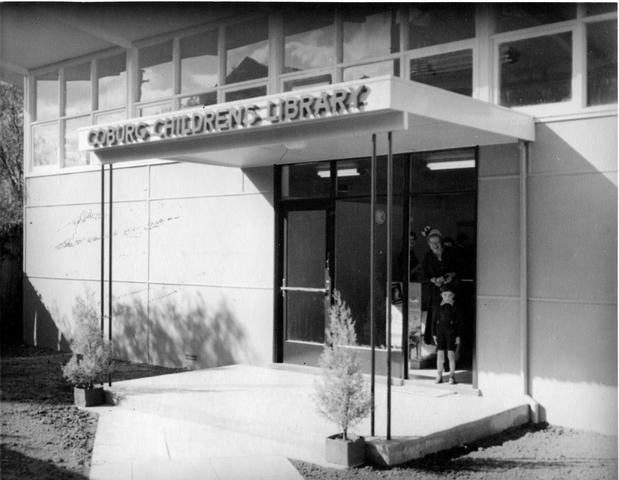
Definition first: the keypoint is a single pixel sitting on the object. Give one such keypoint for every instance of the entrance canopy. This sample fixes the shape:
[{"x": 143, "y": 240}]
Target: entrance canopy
[{"x": 319, "y": 123}]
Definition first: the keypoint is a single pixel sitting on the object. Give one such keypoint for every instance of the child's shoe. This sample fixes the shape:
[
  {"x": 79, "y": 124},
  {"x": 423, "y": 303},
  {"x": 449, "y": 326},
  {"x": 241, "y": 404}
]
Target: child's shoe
[
  {"x": 439, "y": 379},
  {"x": 452, "y": 380}
]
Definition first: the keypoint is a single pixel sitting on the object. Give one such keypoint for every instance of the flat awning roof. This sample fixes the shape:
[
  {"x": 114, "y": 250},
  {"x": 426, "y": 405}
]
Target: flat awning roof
[{"x": 320, "y": 123}]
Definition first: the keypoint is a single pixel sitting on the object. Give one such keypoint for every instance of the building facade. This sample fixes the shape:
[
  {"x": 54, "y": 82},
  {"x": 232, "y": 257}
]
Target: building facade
[{"x": 237, "y": 147}]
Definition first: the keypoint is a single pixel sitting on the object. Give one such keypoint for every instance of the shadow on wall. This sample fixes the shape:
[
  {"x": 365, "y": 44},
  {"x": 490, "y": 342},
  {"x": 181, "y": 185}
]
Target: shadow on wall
[
  {"x": 40, "y": 329},
  {"x": 168, "y": 333}
]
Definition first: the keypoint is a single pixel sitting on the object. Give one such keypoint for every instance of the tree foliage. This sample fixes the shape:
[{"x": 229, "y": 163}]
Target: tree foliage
[
  {"x": 11, "y": 160},
  {"x": 342, "y": 394}
]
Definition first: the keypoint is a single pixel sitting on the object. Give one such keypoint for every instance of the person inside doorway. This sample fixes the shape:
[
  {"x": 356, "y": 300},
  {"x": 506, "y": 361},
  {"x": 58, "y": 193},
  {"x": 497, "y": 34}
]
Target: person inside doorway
[
  {"x": 438, "y": 270},
  {"x": 446, "y": 326}
]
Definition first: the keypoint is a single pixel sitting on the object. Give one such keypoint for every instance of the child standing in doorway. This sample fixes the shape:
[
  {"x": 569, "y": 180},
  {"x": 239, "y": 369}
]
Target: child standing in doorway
[{"x": 446, "y": 327}]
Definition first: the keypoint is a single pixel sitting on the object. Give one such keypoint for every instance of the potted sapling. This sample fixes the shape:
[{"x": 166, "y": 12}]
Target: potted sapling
[
  {"x": 342, "y": 394},
  {"x": 91, "y": 361}
]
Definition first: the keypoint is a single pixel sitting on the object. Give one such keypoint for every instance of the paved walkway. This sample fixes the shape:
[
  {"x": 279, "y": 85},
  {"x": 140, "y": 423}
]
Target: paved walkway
[{"x": 243, "y": 422}]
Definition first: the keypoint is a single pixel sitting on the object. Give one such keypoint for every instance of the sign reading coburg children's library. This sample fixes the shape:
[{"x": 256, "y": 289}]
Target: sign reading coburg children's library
[{"x": 307, "y": 106}]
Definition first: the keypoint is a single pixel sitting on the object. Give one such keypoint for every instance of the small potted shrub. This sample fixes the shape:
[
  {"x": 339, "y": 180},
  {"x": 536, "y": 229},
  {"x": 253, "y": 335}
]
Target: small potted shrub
[
  {"x": 341, "y": 394},
  {"x": 91, "y": 362}
]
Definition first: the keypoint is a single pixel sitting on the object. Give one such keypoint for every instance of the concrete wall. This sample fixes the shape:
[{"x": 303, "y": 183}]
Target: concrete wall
[
  {"x": 175, "y": 301},
  {"x": 572, "y": 241}
]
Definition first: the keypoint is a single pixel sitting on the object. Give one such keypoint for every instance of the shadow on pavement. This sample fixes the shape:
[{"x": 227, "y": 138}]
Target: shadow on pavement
[{"x": 16, "y": 466}]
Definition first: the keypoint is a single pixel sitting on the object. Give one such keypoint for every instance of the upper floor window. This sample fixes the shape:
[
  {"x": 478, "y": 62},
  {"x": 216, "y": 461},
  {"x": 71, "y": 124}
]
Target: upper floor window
[
  {"x": 47, "y": 98},
  {"x": 247, "y": 51},
  {"x": 515, "y": 16},
  {"x": 77, "y": 88},
  {"x": 112, "y": 82},
  {"x": 155, "y": 72},
  {"x": 451, "y": 71},
  {"x": 602, "y": 62},
  {"x": 309, "y": 39},
  {"x": 369, "y": 31},
  {"x": 536, "y": 70},
  {"x": 436, "y": 23},
  {"x": 199, "y": 62}
]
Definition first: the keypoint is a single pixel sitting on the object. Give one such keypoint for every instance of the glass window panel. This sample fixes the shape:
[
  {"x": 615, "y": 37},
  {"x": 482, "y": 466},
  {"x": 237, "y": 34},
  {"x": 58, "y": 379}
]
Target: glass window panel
[
  {"x": 112, "y": 81},
  {"x": 370, "y": 32},
  {"x": 155, "y": 74},
  {"x": 389, "y": 67},
  {"x": 246, "y": 93},
  {"x": 452, "y": 171},
  {"x": 155, "y": 109},
  {"x": 247, "y": 51},
  {"x": 599, "y": 8},
  {"x": 450, "y": 71},
  {"x": 602, "y": 63},
  {"x": 72, "y": 156},
  {"x": 45, "y": 143},
  {"x": 309, "y": 39},
  {"x": 536, "y": 70},
  {"x": 77, "y": 89},
  {"x": 47, "y": 98},
  {"x": 299, "y": 83},
  {"x": 199, "y": 62},
  {"x": 110, "y": 117},
  {"x": 305, "y": 181},
  {"x": 209, "y": 98},
  {"x": 514, "y": 16},
  {"x": 434, "y": 23}
]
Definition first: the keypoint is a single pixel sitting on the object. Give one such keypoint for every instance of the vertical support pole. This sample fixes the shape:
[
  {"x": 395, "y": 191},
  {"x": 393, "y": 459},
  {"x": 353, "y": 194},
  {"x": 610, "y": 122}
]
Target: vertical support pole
[
  {"x": 372, "y": 273},
  {"x": 102, "y": 250},
  {"x": 389, "y": 254},
  {"x": 524, "y": 327},
  {"x": 110, "y": 273}
]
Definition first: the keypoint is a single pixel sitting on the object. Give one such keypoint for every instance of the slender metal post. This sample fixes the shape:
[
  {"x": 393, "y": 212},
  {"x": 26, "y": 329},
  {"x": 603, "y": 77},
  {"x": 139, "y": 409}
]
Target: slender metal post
[
  {"x": 372, "y": 273},
  {"x": 389, "y": 218},
  {"x": 102, "y": 250},
  {"x": 110, "y": 273}
]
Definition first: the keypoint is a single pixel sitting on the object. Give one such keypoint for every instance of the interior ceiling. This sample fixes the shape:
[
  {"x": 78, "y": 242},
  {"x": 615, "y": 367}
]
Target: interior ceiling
[{"x": 33, "y": 35}]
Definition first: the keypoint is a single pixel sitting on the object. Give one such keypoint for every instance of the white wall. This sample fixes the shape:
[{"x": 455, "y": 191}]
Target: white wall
[
  {"x": 192, "y": 261},
  {"x": 572, "y": 297}
]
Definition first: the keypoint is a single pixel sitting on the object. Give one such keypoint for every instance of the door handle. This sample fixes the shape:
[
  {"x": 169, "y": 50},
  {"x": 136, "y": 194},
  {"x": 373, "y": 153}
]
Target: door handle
[{"x": 304, "y": 289}]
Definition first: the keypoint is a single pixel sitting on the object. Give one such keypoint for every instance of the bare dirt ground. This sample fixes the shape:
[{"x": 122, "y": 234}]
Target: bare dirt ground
[{"x": 43, "y": 436}]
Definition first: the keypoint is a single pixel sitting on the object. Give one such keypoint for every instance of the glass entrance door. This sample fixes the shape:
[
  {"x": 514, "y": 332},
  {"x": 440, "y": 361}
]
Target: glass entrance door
[{"x": 305, "y": 282}]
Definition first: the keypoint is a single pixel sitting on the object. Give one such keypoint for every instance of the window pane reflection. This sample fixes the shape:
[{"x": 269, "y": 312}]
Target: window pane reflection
[
  {"x": 155, "y": 109},
  {"x": 209, "y": 98},
  {"x": 306, "y": 181},
  {"x": 199, "y": 62},
  {"x": 599, "y": 8},
  {"x": 389, "y": 67},
  {"x": 450, "y": 71},
  {"x": 536, "y": 70},
  {"x": 602, "y": 63},
  {"x": 47, "y": 102},
  {"x": 112, "y": 82},
  {"x": 247, "y": 51},
  {"x": 309, "y": 39},
  {"x": 72, "y": 156},
  {"x": 246, "y": 93},
  {"x": 514, "y": 16},
  {"x": 45, "y": 142},
  {"x": 434, "y": 23},
  {"x": 155, "y": 77},
  {"x": 77, "y": 89},
  {"x": 369, "y": 32},
  {"x": 110, "y": 117}
]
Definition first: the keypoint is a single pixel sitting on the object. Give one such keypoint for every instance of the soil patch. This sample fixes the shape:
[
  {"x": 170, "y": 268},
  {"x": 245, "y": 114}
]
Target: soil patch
[{"x": 43, "y": 435}]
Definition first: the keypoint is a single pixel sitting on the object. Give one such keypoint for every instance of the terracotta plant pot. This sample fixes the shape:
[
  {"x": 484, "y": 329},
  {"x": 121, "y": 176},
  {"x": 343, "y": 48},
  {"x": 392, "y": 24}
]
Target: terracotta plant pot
[
  {"x": 349, "y": 453},
  {"x": 88, "y": 397}
]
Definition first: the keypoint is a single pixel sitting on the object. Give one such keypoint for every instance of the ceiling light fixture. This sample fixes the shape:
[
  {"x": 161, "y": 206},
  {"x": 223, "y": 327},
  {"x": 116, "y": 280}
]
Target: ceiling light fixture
[
  {"x": 455, "y": 165},
  {"x": 343, "y": 172}
]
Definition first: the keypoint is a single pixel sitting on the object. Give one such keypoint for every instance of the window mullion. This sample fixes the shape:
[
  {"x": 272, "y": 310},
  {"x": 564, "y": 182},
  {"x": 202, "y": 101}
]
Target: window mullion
[
  {"x": 579, "y": 64},
  {"x": 132, "y": 80},
  {"x": 221, "y": 54},
  {"x": 176, "y": 72},
  {"x": 339, "y": 45}
]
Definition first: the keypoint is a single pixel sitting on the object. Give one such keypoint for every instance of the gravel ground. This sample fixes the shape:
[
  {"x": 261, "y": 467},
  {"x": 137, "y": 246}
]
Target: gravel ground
[
  {"x": 43, "y": 436},
  {"x": 539, "y": 452}
]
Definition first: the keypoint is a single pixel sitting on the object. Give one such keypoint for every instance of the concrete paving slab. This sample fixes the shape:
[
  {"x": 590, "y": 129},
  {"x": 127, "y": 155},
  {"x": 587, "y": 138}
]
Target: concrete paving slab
[{"x": 208, "y": 417}]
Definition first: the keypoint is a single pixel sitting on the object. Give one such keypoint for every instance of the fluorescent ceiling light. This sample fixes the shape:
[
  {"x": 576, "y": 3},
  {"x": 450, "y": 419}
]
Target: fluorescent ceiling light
[
  {"x": 457, "y": 164},
  {"x": 343, "y": 172}
]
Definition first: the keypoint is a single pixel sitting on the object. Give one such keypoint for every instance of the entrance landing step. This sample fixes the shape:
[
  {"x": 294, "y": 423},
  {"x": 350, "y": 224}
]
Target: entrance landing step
[{"x": 400, "y": 450}]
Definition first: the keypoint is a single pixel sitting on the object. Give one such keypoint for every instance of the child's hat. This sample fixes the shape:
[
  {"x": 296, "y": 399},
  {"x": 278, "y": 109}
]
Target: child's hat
[{"x": 447, "y": 288}]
